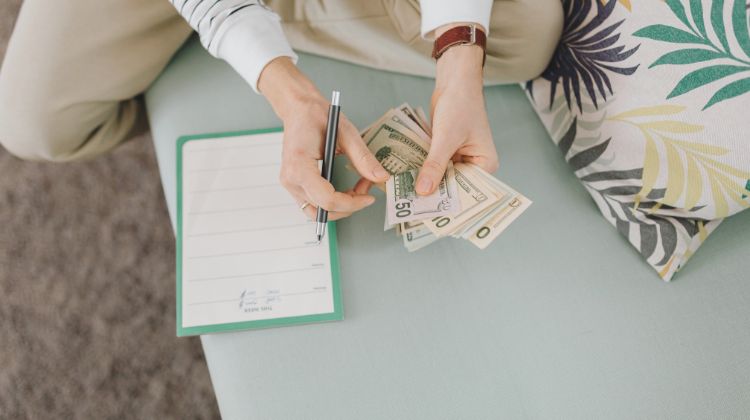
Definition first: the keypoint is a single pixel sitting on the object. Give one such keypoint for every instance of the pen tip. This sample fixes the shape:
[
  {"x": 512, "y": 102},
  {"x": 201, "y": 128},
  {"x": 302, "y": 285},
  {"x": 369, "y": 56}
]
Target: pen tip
[{"x": 320, "y": 239}]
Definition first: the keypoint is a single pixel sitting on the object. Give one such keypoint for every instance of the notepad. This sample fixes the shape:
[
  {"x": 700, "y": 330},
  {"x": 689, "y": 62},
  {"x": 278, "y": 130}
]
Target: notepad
[{"x": 247, "y": 256}]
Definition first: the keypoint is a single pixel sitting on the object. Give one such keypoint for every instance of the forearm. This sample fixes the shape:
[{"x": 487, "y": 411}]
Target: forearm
[
  {"x": 460, "y": 128},
  {"x": 244, "y": 33},
  {"x": 285, "y": 87},
  {"x": 459, "y": 66}
]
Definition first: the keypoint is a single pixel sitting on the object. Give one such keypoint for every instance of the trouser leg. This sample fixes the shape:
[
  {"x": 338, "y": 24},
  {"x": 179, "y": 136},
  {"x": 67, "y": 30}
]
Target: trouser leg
[
  {"x": 73, "y": 70},
  {"x": 385, "y": 35},
  {"x": 523, "y": 36}
]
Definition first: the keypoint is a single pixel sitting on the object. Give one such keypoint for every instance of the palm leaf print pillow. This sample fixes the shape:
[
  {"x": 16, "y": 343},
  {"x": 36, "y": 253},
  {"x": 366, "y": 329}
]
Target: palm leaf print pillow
[{"x": 648, "y": 102}]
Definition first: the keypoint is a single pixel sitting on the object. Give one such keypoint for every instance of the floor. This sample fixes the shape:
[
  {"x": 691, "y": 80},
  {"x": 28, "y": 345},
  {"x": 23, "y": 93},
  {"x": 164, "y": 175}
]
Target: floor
[{"x": 87, "y": 328}]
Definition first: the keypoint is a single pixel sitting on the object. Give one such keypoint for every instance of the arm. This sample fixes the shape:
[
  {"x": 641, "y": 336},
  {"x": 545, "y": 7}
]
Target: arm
[
  {"x": 460, "y": 127},
  {"x": 304, "y": 111},
  {"x": 244, "y": 33},
  {"x": 249, "y": 37}
]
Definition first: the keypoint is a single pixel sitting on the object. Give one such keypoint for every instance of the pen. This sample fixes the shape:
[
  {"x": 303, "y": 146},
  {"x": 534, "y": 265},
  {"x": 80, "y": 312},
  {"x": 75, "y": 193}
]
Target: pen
[{"x": 327, "y": 169}]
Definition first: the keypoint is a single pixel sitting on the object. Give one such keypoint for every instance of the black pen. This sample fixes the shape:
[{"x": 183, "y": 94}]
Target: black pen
[{"x": 330, "y": 150}]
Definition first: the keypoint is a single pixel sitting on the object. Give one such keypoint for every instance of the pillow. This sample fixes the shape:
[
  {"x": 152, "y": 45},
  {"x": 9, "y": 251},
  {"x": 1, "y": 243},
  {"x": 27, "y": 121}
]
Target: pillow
[{"x": 648, "y": 102}]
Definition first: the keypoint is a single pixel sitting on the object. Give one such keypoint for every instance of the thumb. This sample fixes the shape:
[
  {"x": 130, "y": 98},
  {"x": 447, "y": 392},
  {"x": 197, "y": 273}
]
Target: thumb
[
  {"x": 433, "y": 168},
  {"x": 361, "y": 157}
]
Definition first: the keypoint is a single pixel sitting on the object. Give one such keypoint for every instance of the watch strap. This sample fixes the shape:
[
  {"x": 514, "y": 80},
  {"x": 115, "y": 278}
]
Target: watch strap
[{"x": 460, "y": 35}]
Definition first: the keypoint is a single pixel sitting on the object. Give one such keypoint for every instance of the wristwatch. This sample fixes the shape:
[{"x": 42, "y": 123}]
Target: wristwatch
[{"x": 460, "y": 35}]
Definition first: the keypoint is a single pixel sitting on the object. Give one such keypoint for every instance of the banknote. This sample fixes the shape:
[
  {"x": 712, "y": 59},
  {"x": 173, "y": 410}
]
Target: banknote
[
  {"x": 409, "y": 226},
  {"x": 405, "y": 118},
  {"x": 475, "y": 196},
  {"x": 398, "y": 149},
  {"x": 399, "y": 120},
  {"x": 503, "y": 191},
  {"x": 410, "y": 113},
  {"x": 404, "y": 204},
  {"x": 423, "y": 119},
  {"x": 488, "y": 231},
  {"x": 469, "y": 204},
  {"x": 418, "y": 237}
]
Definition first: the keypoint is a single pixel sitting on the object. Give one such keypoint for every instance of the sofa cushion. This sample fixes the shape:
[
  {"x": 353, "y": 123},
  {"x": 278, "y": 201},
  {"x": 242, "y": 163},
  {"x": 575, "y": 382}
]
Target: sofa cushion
[{"x": 647, "y": 102}]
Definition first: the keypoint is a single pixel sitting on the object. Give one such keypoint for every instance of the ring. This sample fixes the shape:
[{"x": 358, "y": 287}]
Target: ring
[{"x": 305, "y": 204}]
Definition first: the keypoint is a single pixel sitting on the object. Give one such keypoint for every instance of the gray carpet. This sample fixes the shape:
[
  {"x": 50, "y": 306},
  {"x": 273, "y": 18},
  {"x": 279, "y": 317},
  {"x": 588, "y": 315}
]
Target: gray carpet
[{"x": 87, "y": 328}]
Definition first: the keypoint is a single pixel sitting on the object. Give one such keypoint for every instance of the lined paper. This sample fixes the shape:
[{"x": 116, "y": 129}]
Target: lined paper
[{"x": 248, "y": 252}]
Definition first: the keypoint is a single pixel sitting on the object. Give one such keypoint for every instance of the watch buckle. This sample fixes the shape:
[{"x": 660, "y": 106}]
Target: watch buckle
[{"x": 473, "y": 33}]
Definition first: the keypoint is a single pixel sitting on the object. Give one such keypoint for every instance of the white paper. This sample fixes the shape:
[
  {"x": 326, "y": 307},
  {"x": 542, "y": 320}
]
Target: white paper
[{"x": 248, "y": 251}]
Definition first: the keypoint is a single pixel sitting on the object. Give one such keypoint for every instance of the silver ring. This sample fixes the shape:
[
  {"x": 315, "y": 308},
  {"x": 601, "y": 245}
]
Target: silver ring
[{"x": 305, "y": 204}]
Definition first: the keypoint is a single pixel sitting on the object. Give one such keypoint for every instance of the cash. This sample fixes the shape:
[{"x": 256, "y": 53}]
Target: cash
[
  {"x": 469, "y": 203},
  {"x": 404, "y": 205},
  {"x": 396, "y": 146}
]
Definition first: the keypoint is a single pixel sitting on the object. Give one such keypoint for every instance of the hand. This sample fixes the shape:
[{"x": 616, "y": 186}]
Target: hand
[
  {"x": 460, "y": 130},
  {"x": 304, "y": 112}
]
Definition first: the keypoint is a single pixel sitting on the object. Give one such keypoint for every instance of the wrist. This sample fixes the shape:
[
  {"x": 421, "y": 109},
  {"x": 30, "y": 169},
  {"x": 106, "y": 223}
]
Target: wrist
[
  {"x": 460, "y": 66},
  {"x": 286, "y": 87}
]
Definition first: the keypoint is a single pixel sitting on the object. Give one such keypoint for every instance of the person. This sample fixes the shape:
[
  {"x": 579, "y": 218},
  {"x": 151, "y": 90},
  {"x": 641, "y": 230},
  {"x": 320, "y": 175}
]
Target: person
[{"x": 74, "y": 70}]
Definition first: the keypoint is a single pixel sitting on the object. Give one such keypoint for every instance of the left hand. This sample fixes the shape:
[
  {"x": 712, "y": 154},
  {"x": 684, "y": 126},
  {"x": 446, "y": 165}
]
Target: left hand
[{"x": 460, "y": 129}]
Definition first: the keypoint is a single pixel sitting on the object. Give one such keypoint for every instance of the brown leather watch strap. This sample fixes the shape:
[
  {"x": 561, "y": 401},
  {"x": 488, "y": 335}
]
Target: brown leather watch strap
[{"x": 460, "y": 35}]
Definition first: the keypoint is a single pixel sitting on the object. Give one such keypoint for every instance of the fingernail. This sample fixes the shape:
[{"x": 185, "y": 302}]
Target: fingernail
[
  {"x": 370, "y": 200},
  {"x": 424, "y": 185}
]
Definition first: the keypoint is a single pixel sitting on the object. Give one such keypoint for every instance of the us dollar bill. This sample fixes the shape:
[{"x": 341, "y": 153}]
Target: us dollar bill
[
  {"x": 481, "y": 208},
  {"x": 401, "y": 117},
  {"x": 475, "y": 196},
  {"x": 398, "y": 149},
  {"x": 418, "y": 238},
  {"x": 423, "y": 119},
  {"x": 503, "y": 191},
  {"x": 405, "y": 205},
  {"x": 422, "y": 128},
  {"x": 492, "y": 228},
  {"x": 409, "y": 226}
]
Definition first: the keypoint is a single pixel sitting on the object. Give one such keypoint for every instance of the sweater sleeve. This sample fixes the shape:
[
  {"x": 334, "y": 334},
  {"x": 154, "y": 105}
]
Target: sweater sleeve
[
  {"x": 246, "y": 34},
  {"x": 436, "y": 13}
]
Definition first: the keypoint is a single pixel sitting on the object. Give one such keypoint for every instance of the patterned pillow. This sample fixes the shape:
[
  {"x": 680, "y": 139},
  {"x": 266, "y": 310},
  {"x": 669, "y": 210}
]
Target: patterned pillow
[{"x": 648, "y": 102}]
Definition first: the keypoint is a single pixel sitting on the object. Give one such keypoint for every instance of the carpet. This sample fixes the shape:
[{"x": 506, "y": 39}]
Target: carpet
[{"x": 87, "y": 326}]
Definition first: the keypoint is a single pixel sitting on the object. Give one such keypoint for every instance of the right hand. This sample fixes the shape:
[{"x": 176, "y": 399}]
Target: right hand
[{"x": 304, "y": 112}]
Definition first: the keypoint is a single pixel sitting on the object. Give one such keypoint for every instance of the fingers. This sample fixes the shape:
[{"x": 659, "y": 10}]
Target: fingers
[
  {"x": 301, "y": 172},
  {"x": 301, "y": 198},
  {"x": 312, "y": 213},
  {"x": 433, "y": 167},
  {"x": 362, "y": 186},
  {"x": 311, "y": 210},
  {"x": 322, "y": 194},
  {"x": 360, "y": 156}
]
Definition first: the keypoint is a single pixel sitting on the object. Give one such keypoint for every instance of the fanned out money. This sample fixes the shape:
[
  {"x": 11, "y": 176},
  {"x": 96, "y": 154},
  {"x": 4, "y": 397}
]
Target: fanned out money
[
  {"x": 404, "y": 205},
  {"x": 469, "y": 203}
]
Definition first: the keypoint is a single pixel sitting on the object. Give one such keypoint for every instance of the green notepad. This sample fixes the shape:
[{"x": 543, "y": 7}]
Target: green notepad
[{"x": 247, "y": 257}]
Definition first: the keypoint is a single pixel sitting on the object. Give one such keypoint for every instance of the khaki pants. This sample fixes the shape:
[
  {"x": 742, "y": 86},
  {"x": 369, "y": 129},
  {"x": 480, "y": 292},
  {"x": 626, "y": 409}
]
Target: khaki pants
[{"x": 73, "y": 71}]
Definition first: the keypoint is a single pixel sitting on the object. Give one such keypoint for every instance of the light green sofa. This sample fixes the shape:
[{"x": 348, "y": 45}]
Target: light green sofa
[{"x": 559, "y": 318}]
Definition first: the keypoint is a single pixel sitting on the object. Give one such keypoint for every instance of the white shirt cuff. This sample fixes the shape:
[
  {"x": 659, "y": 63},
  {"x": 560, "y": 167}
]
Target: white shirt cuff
[
  {"x": 250, "y": 41},
  {"x": 436, "y": 13}
]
